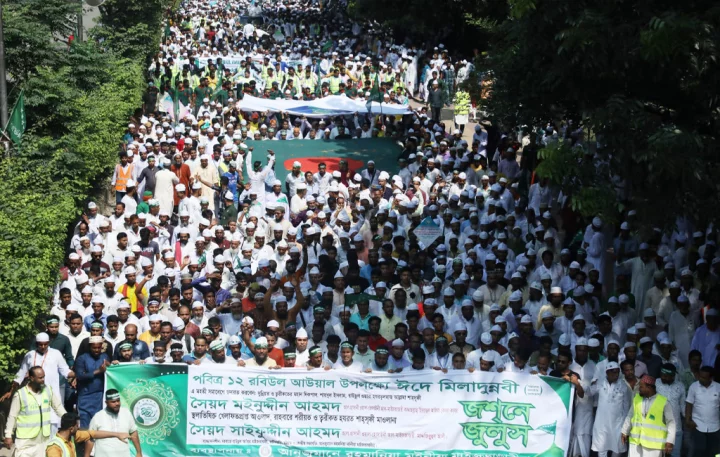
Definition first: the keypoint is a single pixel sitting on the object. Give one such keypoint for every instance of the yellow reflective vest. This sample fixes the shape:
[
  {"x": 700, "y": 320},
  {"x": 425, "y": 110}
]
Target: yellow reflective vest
[
  {"x": 34, "y": 417},
  {"x": 650, "y": 431}
]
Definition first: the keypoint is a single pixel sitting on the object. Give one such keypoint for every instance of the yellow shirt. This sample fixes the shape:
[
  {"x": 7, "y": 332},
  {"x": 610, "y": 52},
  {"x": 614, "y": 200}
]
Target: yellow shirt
[
  {"x": 148, "y": 338},
  {"x": 129, "y": 293}
]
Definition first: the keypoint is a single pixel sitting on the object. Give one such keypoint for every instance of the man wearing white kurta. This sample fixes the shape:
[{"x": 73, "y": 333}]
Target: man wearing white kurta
[
  {"x": 671, "y": 388},
  {"x": 642, "y": 269},
  {"x": 648, "y": 397},
  {"x": 33, "y": 431},
  {"x": 583, "y": 421},
  {"x": 614, "y": 400},
  {"x": 165, "y": 181},
  {"x": 114, "y": 418},
  {"x": 54, "y": 364}
]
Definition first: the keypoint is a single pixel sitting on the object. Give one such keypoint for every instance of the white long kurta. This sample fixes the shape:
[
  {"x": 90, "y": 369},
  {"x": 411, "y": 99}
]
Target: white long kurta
[
  {"x": 583, "y": 421},
  {"x": 209, "y": 175},
  {"x": 596, "y": 253},
  {"x": 165, "y": 181},
  {"x": 642, "y": 277},
  {"x": 614, "y": 401},
  {"x": 54, "y": 365}
]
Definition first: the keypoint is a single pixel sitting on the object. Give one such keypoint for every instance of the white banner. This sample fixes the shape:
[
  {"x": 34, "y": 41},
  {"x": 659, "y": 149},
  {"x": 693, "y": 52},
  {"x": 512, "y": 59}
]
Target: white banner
[
  {"x": 300, "y": 412},
  {"x": 334, "y": 105}
]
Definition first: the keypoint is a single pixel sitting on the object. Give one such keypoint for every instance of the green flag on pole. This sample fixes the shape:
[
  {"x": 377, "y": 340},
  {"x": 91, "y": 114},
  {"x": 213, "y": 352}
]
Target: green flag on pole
[
  {"x": 16, "y": 124},
  {"x": 375, "y": 95}
]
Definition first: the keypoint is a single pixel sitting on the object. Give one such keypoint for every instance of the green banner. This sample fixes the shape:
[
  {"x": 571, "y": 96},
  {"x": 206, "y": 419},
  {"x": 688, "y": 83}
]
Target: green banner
[
  {"x": 16, "y": 123},
  {"x": 310, "y": 153},
  {"x": 210, "y": 410}
]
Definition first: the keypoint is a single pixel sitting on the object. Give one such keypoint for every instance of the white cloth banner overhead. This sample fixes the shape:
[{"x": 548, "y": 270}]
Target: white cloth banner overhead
[{"x": 334, "y": 105}]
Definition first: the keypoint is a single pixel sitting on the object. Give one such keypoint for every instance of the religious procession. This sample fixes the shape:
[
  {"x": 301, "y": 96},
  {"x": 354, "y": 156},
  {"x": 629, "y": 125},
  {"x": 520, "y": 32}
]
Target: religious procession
[{"x": 442, "y": 277}]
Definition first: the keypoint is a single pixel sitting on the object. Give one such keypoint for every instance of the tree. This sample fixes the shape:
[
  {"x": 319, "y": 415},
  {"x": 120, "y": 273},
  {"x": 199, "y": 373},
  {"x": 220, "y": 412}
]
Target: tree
[
  {"x": 640, "y": 77},
  {"x": 131, "y": 27}
]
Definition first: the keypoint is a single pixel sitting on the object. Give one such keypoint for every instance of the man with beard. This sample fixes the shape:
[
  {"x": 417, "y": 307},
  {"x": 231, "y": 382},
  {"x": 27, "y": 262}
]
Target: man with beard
[
  {"x": 57, "y": 340},
  {"x": 260, "y": 356},
  {"x": 31, "y": 427},
  {"x": 135, "y": 293},
  {"x": 316, "y": 359},
  {"x": 117, "y": 419},
  {"x": 95, "y": 268},
  {"x": 90, "y": 368},
  {"x": 217, "y": 355},
  {"x": 381, "y": 362},
  {"x": 63, "y": 444},
  {"x": 614, "y": 398}
]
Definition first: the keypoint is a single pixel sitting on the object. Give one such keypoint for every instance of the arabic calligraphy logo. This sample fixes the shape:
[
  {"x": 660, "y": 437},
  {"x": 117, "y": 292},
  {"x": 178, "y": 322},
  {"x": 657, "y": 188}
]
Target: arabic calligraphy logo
[
  {"x": 155, "y": 408},
  {"x": 146, "y": 412}
]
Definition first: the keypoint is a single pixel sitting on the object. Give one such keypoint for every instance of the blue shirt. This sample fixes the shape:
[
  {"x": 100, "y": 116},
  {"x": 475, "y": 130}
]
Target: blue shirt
[
  {"x": 706, "y": 341},
  {"x": 232, "y": 184},
  {"x": 190, "y": 358},
  {"x": 85, "y": 366},
  {"x": 91, "y": 318}
]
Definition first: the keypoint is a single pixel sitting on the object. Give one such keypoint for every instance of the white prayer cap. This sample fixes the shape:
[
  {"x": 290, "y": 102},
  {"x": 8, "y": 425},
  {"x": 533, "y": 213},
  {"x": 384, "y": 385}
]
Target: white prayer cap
[
  {"x": 487, "y": 357},
  {"x": 130, "y": 271},
  {"x": 42, "y": 338},
  {"x": 564, "y": 340},
  {"x": 612, "y": 366},
  {"x": 155, "y": 318},
  {"x": 555, "y": 290},
  {"x": 302, "y": 333},
  {"x": 526, "y": 319},
  {"x": 97, "y": 339},
  {"x": 273, "y": 324},
  {"x": 459, "y": 327},
  {"x": 178, "y": 324},
  {"x": 486, "y": 338},
  {"x": 248, "y": 320},
  {"x": 398, "y": 343}
]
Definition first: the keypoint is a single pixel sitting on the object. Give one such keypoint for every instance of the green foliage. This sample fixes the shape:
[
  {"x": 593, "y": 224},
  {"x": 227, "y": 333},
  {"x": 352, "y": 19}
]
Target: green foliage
[
  {"x": 131, "y": 28},
  {"x": 643, "y": 76},
  {"x": 78, "y": 101}
]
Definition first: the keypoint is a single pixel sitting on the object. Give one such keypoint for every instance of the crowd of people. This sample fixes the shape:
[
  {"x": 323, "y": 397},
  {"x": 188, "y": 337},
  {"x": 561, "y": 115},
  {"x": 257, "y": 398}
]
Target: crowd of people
[{"x": 209, "y": 258}]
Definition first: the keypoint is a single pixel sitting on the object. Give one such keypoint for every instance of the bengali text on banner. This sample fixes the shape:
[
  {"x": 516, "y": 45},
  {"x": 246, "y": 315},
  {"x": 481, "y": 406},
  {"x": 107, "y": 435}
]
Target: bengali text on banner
[{"x": 206, "y": 410}]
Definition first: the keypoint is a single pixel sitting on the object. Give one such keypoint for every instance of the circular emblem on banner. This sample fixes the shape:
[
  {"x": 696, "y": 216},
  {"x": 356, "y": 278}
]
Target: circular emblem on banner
[
  {"x": 154, "y": 407},
  {"x": 146, "y": 411},
  {"x": 533, "y": 390},
  {"x": 265, "y": 450}
]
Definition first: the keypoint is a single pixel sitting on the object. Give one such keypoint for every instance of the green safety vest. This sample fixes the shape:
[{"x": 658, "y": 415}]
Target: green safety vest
[
  {"x": 34, "y": 418},
  {"x": 61, "y": 444},
  {"x": 650, "y": 431}
]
